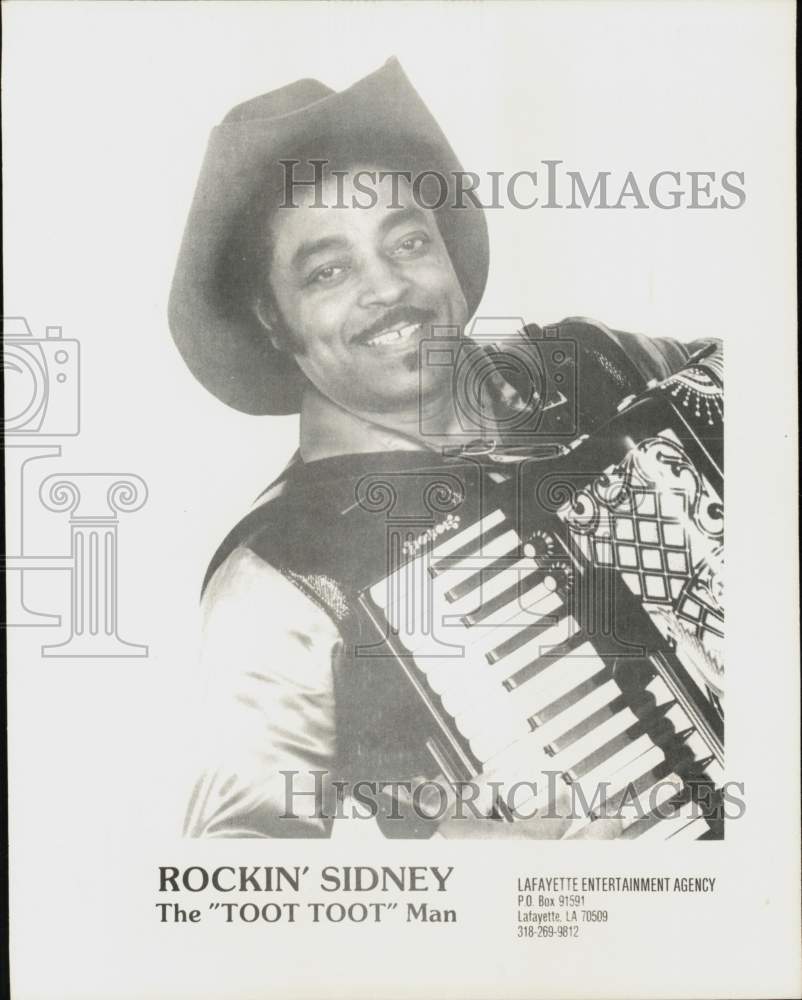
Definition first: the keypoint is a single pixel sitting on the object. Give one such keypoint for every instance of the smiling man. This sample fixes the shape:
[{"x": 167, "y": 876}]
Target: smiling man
[{"x": 318, "y": 291}]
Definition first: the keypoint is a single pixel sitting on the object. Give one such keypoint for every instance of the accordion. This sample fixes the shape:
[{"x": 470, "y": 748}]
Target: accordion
[{"x": 565, "y": 614}]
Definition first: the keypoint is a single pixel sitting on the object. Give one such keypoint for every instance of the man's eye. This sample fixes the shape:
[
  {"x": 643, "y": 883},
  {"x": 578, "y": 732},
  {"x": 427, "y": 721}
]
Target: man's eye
[
  {"x": 411, "y": 245},
  {"x": 327, "y": 275}
]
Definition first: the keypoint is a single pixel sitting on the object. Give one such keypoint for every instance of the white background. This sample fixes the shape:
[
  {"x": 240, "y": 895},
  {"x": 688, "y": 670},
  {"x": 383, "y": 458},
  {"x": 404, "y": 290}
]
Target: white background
[{"x": 107, "y": 109}]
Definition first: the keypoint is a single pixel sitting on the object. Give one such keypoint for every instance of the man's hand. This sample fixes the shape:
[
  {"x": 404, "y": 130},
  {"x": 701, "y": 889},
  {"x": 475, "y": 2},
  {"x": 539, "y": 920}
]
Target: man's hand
[{"x": 550, "y": 814}]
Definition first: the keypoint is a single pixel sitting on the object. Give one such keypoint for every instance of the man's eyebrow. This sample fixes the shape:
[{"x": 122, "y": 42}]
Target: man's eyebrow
[
  {"x": 310, "y": 247},
  {"x": 395, "y": 217}
]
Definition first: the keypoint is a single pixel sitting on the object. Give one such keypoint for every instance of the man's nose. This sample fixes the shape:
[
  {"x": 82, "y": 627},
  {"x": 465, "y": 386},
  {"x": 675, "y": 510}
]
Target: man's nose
[{"x": 382, "y": 283}]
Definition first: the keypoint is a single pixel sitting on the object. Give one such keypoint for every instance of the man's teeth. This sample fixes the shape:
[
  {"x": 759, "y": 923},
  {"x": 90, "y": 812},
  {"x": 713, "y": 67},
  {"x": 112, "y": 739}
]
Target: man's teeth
[{"x": 392, "y": 335}]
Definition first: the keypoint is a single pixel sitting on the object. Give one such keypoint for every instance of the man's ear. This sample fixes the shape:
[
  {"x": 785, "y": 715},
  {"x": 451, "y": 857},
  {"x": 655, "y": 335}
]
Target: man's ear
[{"x": 268, "y": 318}]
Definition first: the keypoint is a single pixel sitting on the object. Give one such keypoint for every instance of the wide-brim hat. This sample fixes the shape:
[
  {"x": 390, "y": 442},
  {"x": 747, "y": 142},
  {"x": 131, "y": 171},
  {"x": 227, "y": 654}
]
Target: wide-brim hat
[{"x": 210, "y": 311}]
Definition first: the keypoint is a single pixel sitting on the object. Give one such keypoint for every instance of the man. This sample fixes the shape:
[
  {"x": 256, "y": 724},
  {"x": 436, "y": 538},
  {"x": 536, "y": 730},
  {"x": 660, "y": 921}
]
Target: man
[{"x": 297, "y": 292}]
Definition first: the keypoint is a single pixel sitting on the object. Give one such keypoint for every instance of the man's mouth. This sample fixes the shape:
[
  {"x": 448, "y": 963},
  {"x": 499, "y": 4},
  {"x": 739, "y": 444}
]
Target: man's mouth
[
  {"x": 392, "y": 336},
  {"x": 396, "y": 329}
]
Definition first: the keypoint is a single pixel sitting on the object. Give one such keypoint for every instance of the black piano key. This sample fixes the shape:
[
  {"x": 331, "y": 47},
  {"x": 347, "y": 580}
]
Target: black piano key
[
  {"x": 472, "y": 548},
  {"x": 526, "y": 633},
  {"x": 604, "y": 752},
  {"x": 514, "y": 591},
  {"x": 539, "y": 663},
  {"x": 565, "y": 701},
  {"x": 464, "y": 587},
  {"x": 638, "y": 728},
  {"x": 635, "y": 788},
  {"x": 580, "y": 729}
]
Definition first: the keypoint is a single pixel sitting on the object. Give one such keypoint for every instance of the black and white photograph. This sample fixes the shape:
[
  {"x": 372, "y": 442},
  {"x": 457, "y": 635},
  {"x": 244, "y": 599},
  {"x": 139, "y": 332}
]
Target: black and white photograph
[
  {"x": 365, "y": 472},
  {"x": 425, "y": 504}
]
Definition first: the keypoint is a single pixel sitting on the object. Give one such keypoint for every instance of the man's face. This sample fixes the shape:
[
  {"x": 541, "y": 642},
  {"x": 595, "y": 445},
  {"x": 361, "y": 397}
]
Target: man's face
[{"x": 358, "y": 289}]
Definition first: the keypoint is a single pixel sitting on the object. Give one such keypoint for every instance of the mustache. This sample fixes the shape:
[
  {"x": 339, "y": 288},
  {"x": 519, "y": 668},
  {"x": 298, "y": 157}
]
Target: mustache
[{"x": 398, "y": 314}]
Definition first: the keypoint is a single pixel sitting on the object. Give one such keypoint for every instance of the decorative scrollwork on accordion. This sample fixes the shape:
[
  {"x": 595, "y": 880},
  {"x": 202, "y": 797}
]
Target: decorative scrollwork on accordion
[{"x": 656, "y": 520}]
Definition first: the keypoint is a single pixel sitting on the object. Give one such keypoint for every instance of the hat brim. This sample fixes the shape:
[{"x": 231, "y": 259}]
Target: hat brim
[{"x": 215, "y": 329}]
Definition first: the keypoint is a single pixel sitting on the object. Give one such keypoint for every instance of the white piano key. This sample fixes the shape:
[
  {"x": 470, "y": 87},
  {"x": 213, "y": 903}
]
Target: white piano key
[
  {"x": 606, "y": 770},
  {"x": 528, "y": 610},
  {"x": 577, "y": 713},
  {"x": 467, "y": 534},
  {"x": 634, "y": 769},
  {"x": 446, "y": 673},
  {"x": 594, "y": 740},
  {"x": 384, "y": 593},
  {"x": 629, "y": 774},
  {"x": 524, "y": 763},
  {"x": 444, "y": 626},
  {"x": 516, "y": 760},
  {"x": 536, "y": 647},
  {"x": 665, "y": 827},
  {"x": 487, "y": 744},
  {"x": 424, "y": 619},
  {"x": 494, "y": 549},
  {"x": 584, "y": 746},
  {"x": 426, "y": 624},
  {"x": 661, "y": 692},
  {"x": 433, "y": 589},
  {"x": 490, "y": 705},
  {"x": 678, "y": 718},
  {"x": 528, "y": 802},
  {"x": 454, "y": 674},
  {"x": 488, "y": 710},
  {"x": 559, "y": 677},
  {"x": 450, "y": 674},
  {"x": 493, "y": 749},
  {"x": 470, "y": 644},
  {"x": 660, "y": 689},
  {"x": 412, "y": 576},
  {"x": 698, "y": 746},
  {"x": 454, "y": 684},
  {"x": 508, "y": 577},
  {"x": 474, "y": 652},
  {"x": 522, "y": 603},
  {"x": 562, "y": 676},
  {"x": 475, "y": 700}
]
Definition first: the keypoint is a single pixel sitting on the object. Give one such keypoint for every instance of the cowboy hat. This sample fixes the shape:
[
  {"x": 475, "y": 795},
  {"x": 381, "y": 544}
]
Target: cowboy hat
[{"x": 211, "y": 312}]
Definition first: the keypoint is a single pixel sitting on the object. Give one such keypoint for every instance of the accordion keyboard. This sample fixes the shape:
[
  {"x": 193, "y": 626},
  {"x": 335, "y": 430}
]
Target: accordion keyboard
[{"x": 486, "y": 628}]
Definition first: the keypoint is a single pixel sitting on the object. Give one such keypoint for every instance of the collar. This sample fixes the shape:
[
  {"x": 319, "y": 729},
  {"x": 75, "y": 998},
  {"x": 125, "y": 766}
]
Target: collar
[{"x": 328, "y": 431}]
